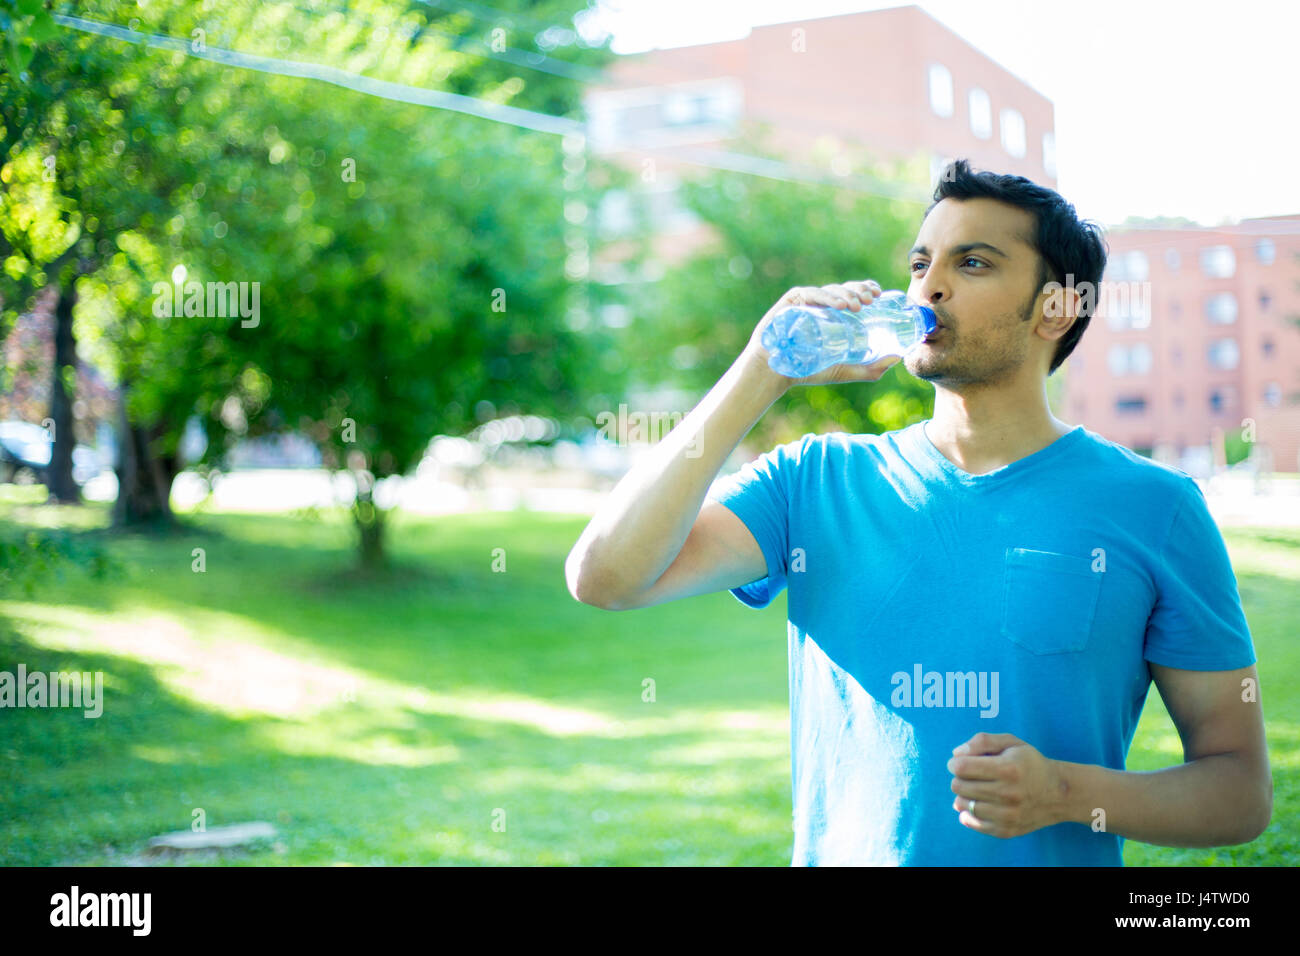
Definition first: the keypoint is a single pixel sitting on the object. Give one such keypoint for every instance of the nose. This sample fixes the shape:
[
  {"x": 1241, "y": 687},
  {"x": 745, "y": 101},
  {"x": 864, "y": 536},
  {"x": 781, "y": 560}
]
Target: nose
[{"x": 932, "y": 287}]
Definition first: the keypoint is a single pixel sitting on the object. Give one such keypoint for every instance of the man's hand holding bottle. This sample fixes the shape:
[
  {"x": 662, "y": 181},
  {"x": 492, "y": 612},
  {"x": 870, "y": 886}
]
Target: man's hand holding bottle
[{"x": 847, "y": 296}]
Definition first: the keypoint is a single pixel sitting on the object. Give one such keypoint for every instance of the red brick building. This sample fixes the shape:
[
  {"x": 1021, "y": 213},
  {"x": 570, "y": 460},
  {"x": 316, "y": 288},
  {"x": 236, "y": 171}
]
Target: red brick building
[
  {"x": 895, "y": 82},
  {"x": 1197, "y": 334}
]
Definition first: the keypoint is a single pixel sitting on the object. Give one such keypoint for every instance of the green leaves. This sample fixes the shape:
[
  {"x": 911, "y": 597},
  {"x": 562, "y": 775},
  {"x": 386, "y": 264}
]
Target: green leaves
[
  {"x": 35, "y": 558},
  {"x": 27, "y": 24}
]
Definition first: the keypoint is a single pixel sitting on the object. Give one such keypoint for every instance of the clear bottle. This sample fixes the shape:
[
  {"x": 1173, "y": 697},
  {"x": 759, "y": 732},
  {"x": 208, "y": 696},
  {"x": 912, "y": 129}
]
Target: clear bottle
[{"x": 805, "y": 339}]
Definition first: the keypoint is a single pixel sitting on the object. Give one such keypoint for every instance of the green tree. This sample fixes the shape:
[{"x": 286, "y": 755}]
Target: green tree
[
  {"x": 83, "y": 189},
  {"x": 410, "y": 263},
  {"x": 772, "y": 235}
]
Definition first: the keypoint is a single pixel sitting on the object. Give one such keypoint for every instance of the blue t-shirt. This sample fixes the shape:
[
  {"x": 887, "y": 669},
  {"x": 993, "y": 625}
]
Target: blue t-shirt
[{"x": 928, "y": 604}]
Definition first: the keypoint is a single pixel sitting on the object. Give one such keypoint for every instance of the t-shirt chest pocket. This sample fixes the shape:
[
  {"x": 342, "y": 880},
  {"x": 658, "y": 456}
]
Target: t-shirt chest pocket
[{"x": 1049, "y": 600}]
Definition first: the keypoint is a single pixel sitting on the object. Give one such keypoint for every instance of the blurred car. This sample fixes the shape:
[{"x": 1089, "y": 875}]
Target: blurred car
[{"x": 25, "y": 452}]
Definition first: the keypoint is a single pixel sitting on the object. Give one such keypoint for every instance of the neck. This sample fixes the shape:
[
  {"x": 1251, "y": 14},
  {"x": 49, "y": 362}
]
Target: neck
[{"x": 983, "y": 428}]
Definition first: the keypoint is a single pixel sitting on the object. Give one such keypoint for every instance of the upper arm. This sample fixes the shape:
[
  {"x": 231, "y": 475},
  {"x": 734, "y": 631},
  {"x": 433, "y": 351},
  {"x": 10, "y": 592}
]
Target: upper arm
[
  {"x": 719, "y": 553},
  {"x": 1214, "y": 714}
]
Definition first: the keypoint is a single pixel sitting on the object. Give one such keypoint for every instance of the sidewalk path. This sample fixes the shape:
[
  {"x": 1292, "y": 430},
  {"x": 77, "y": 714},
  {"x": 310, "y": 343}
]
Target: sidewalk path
[{"x": 1231, "y": 501}]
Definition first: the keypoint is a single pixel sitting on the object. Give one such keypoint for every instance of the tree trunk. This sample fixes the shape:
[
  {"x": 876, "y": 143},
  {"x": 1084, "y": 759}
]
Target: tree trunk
[
  {"x": 369, "y": 521},
  {"x": 58, "y": 479},
  {"x": 144, "y": 478}
]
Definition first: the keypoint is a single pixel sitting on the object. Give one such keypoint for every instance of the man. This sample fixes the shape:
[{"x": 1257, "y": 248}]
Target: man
[{"x": 978, "y": 602}]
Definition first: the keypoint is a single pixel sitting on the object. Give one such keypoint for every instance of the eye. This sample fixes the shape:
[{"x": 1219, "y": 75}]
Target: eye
[
  {"x": 972, "y": 259},
  {"x": 912, "y": 268}
]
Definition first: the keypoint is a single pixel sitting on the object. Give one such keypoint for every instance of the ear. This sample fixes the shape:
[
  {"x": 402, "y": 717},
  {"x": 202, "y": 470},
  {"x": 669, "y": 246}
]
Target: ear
[
  {"x": 1072, "y": 302},
  {"x": 1061, "y": 301},
  {"x": 1059, "y": 310}
]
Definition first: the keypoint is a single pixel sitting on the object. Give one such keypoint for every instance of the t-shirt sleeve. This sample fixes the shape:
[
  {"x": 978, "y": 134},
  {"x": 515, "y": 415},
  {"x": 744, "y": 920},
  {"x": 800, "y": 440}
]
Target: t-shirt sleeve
[
  {"x": 1197, "y": 623},
  {"x": 759, "y": 495}
]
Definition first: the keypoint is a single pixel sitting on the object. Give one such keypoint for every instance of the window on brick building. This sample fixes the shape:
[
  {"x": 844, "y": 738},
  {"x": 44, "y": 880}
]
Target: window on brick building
[
  {"x": 680, "y": 112},
  {"x": 1273, "y": 394},
  {"x": 1049, "y": 153},
  {"x": 1125, "y": 306},
  {"x": 1172, "y": 260},
  {"x": 1123, "y": 266},
  {"x": 981, "y": 113},
  {"x": 1131, "y": 405},
  {"x": 1012, "y": 126},
  {"x": 1265, "y": 251},
  {"x": 1267, "y": 347},
  {"x": 1129, "y": 359},
  {"x": 1117, "y": 360},
  {"x": 940, "y": 90},
  {"x": 1222, "y": 308},
  {"x": 1224, "y": 353},
  {"x": 1136, "y": 265},
  {"x": 1218, "y": 262}
]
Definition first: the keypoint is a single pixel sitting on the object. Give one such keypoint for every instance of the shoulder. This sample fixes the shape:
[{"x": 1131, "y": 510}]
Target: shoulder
[
  {"x": 810, "y": 450},
  {"x": 1126, "y": 461},
  {"x": 846, "y": 444},
  {"x": 814, "y": 453},
  {"x": 885, "y": 455},
  {"x": 1128, "y": 472}
]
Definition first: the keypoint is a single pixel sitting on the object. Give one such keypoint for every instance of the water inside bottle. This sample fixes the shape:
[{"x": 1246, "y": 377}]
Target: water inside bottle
[{"x": 838, "y": 339}]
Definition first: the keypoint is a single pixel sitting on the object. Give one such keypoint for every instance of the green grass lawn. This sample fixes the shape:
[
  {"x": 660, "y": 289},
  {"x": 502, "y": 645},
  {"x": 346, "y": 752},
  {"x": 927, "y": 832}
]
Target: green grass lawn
[{"x": 449, "y": 714}]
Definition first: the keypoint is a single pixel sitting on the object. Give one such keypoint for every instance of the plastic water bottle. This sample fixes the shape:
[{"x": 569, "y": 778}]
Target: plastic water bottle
[{"x": 805, "y": 339}]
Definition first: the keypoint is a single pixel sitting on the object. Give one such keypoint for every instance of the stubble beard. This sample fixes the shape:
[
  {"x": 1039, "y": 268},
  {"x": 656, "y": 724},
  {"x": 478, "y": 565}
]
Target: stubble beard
[{"x": 987, "y": 365}]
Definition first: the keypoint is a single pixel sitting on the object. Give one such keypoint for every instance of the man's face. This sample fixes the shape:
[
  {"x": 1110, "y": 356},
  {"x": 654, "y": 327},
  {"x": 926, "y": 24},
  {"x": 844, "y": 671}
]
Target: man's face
[{"x": 975, "y": 265}]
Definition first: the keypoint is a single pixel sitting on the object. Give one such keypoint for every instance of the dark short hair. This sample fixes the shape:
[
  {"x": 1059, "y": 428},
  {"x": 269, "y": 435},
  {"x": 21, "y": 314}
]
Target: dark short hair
[{"x": 1066, "y": 245}]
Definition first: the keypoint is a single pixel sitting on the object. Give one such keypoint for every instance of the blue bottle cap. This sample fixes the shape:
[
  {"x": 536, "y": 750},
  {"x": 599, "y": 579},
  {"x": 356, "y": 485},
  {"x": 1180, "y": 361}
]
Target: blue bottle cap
[{"x": 927, "y": 314}]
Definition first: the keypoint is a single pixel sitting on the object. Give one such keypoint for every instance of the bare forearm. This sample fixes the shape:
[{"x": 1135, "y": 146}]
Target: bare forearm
[
  {"x": 1211, "y": 801},
  {"x": 641, "y": 527}
]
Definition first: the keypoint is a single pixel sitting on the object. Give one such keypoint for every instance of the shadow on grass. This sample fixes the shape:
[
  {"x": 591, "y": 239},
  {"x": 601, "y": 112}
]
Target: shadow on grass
[
  {"x": 91, "y": 791},
  {"x": 438, "y": 608}
]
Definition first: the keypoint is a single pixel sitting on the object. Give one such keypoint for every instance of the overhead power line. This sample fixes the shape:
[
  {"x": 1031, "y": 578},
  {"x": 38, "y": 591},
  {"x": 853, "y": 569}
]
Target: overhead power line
[
  {"x": 398, "y": 92},
  {"x": 483, "y": 109}
]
